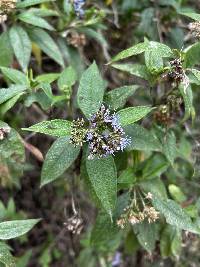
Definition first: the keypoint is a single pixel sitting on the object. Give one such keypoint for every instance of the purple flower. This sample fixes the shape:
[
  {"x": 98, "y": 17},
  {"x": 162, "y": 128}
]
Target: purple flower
[
  {"x": 78, "y": 7},
  {"x": 116, "y": 259}
]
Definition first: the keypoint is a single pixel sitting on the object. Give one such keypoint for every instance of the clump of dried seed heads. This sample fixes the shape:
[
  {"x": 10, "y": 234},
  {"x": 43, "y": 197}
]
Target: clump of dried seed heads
[
  {"x": 194, "y": 28},
  {"x": 134, "y": 214},
  {"x": 6, "y": 6},
  {"x": 4, "y": 131}
]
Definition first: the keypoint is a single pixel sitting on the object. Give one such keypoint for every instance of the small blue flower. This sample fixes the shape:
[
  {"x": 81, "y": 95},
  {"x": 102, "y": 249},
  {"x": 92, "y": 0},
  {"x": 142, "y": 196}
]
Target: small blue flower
[{"x": 78, "y": 7}]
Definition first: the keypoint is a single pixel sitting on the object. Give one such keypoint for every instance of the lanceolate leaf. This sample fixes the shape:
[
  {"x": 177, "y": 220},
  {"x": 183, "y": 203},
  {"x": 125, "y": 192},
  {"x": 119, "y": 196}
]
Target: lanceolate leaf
[
  {"x": 5, "y": 255},
  {"x": 10, "y": 92},
  {"x": 134, "y": 50},
  {"x": 21, "y": 45},
  {"x": 130, "y": 115},
  {"x": 15, "y": 76},
  {"x": 47, "y": 45},
  {"x": 59, "y": 157},
  {"x": 90, "y": 91},
  {"x": 12, "y": 229},
  {"x": 169, "y": 147},
  {"x": 117, "y": 98},
  {"x": 103, "y": 176},
  {"x": 174, "y": 214},
  {"x": 56, "y": 128},
  {"x": 142, "y": 139},
  {"x": 27, "y": 3}
]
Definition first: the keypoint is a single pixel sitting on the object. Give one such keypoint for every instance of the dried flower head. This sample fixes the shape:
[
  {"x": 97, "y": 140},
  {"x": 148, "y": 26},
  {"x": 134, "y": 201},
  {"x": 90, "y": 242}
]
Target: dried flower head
[
  {"x": 78, "y": 132},
  {"x": 151, "y": 214},
  {"x": 74, "y": 224},
  {"x": 105, "y": 135},
  {"x": 77, "y": 40},
  {"x": 78, "y": 7},
  {"x": 4, "y": 132},
  {"x": 194, "y": 28},
  {"x": 6, "y": 6}
]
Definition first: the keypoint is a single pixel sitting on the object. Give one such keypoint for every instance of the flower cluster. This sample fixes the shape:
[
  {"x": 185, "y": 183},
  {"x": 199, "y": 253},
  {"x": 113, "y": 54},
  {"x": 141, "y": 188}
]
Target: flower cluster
[
  {"x": 104, "y": 134},
  {"x": 78, "y": 132},
  {"x": 77, "y": 40},
  {"x": 6, "y": 6},
  {"x": 78, "y": 7},
  {"x": 133, "y": 214},
  {"x": 74, "y": 224},
  {"x": 194, "y": 28},
  {"x": 3, "y": 132}
]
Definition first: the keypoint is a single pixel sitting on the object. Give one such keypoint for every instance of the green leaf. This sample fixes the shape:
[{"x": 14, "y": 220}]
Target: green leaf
[
  {"x": 142, "y": 139},
  {"x": 117, "y": 98},
  {"x": 47, "y": 44},
  {"x": 174, "y": 214},
  {"x": 5, "y": 256},
  {"x": 21, "y": 45},
  {"x": 155, "y": 186},
  {"x": 134, "y": 69},
  {"x": 91, "y": 91},
  {"x": 58, "y": 159},
  {"x": 13, "y": 90},
  {"x": 6, "y": 53},
  {"x": 188, "y": 102},
  {"x": 103, "y": 176},
  {"x": 9, "y": 103},
  {"x": 12, "y": 229},
  {"x": 134, "y": 50},
  {"x": 32, "y": 19},
  {"x": 58, "y": 128},
  {"x": 27, "y": 3},
  {"x": 15, "y": 76},
  {"x": 132, "y": 114},
  {"x": 105, "y": 234},
  {"x": 176, "y": 193},
  {"x": 171, "y": 241},
  {"x": 47, "y": 78},
  {"x": 147, "y": 235},
  {"x": 192, "y": 54},
  {"x": 169, "y": 147},
  {"x": 67, "y": 79},
  {"x": 194, "y": 16}
]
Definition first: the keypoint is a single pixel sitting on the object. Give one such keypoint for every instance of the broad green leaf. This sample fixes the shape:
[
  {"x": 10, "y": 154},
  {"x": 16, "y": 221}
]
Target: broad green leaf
[
  {"x": 47, "y": 78},
  {"x": 169, "y": 146},
  {"x": 132, "y": 114},
  {"x": 105, "y": 234},
  {"x": 171, "y": 241},
  {"x": 44, "y": 12},
  {"x": 142, "y": 139},
  {"x": 12, "y": 229},
  {"x": 58, "y": 128},
  {"x": 23, "y": 261},
  {"x": 194, "y": 16},
  {"x": 27, "y": 3},
  {"x": 58, "y": 159},
  {"x": 5, "y": 256},
  {"x": 187, "y": 95},
  {"x": 126, "y": 178},
  {"x": 147, "y": 234},
  {"x": 134, "y": 69},
  {"x": 21, "y": 45},
  {"x": 161, "y": 50},
  {"x": 176, "y": 193},
  {"x": 91, "y": 91},
  {"x": 47, "y": 44},
  {"x": 67, "y": 79},
  {"x": 103, "y": 176},
  {"x": 10, "y": 92},
  {"x": 15, "y": 76},
  {"x": 32, "y": 19},
  {"x": 117, "y": 98},
  {"x": 155, "y": 186},
  {"x": 174, "y": 214},
  {"x": 192, "y": 54},
  {"x": 134, "y": 50},
  {"x": 6, "y": 53},
  {"x": 196, "y": 73}
]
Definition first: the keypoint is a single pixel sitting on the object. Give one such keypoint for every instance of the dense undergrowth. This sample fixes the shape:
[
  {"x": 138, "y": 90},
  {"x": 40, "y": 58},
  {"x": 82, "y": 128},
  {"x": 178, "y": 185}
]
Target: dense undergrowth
[{"x": 99, "y": 133}]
